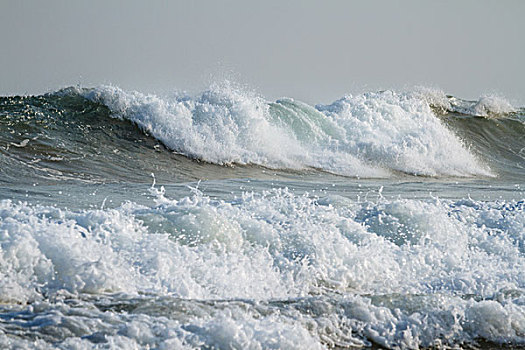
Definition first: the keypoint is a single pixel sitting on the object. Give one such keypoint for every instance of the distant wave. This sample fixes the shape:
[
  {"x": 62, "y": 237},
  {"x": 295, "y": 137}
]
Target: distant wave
[{"x": 91, "y": 134}]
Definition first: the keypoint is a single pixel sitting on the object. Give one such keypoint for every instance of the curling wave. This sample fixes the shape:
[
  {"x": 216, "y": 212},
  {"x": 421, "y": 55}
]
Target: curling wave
[
  {"x": 92, "y": 135},
  {"x": 367, "y": 135}
]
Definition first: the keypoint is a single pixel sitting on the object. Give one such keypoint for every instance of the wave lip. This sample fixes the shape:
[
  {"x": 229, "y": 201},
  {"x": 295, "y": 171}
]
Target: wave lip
[{"x": 369, "y": 135}]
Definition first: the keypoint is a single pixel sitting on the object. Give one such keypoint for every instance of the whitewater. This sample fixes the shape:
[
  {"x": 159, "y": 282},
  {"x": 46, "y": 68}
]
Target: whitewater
[{"x": 222, "y": 220}]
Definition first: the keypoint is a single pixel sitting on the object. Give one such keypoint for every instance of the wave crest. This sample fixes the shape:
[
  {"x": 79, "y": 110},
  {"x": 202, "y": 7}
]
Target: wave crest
[
  {"x": 485, "y": 106},
  {"x": 368, "y": 135}
]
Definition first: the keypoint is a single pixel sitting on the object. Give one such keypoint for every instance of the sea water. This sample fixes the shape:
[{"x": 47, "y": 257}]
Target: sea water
[{"x": 222, "y": 220}]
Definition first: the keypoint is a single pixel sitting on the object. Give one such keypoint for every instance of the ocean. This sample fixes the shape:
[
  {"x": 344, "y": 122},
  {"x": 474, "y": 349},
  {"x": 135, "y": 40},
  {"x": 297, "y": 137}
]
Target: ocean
[{"x": 222, "y": 220}]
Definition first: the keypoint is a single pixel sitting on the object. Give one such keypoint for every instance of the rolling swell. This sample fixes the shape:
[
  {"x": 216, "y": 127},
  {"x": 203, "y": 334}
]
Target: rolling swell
[{"x": 105, "y": 134}]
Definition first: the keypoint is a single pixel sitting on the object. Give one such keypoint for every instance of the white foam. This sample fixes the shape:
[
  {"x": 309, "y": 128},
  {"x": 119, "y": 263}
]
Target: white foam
[
  {"x": 490, "y": 105},
  {"x": 224, "y": 125},
  {"x": 419, "y": 247},
  {"x": 433, "y": 96},
  {"x": 401, "y": 132},
  {"x": 402, "y": 273},
  {"x": 367, "y": 135}
]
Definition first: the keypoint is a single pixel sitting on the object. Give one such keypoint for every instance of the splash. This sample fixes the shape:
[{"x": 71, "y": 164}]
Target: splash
[
  {"x": 269, "y": 267},
  {"x": 370, "y": 135}
]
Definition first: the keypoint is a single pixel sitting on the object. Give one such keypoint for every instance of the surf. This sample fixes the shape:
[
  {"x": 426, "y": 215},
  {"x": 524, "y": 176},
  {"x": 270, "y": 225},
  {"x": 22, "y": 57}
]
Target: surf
[{"x": 71, "y": 133}]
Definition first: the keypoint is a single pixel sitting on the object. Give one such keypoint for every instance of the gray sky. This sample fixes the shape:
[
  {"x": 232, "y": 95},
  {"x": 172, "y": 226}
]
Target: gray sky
[{"x": 315, "y": 51}]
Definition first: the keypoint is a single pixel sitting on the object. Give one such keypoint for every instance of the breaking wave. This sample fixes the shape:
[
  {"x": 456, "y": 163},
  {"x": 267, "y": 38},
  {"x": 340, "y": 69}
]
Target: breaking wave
[
  {"x": 269, "y": 269},
  {"x": 92, "y": 135},
  {"x": 369, "y": 135}
]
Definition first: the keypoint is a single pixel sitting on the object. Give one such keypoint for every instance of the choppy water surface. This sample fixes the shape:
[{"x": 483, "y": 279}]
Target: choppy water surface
[{"x": 222, "y": 220}]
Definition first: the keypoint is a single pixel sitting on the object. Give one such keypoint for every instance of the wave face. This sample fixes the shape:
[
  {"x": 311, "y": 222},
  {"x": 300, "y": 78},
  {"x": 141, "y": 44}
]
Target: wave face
[
  {"x": 91, "y": 135},
  {"x": 266, "y": 270}
]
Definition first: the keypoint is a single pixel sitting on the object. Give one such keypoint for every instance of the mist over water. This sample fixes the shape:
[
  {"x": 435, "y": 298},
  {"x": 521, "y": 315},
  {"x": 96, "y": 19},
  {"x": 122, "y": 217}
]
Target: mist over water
[{"x": 223, "y": 220}]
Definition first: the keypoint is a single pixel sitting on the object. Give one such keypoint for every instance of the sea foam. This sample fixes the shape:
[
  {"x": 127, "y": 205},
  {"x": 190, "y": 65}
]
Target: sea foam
[
  {"x": 369, "y": 135},
  {"x": 401, "y": 273}
]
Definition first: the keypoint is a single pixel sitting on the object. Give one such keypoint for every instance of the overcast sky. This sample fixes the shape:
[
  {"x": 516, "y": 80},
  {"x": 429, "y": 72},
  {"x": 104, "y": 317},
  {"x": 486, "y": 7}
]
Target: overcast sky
[{"x": 315, "y": 51}]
